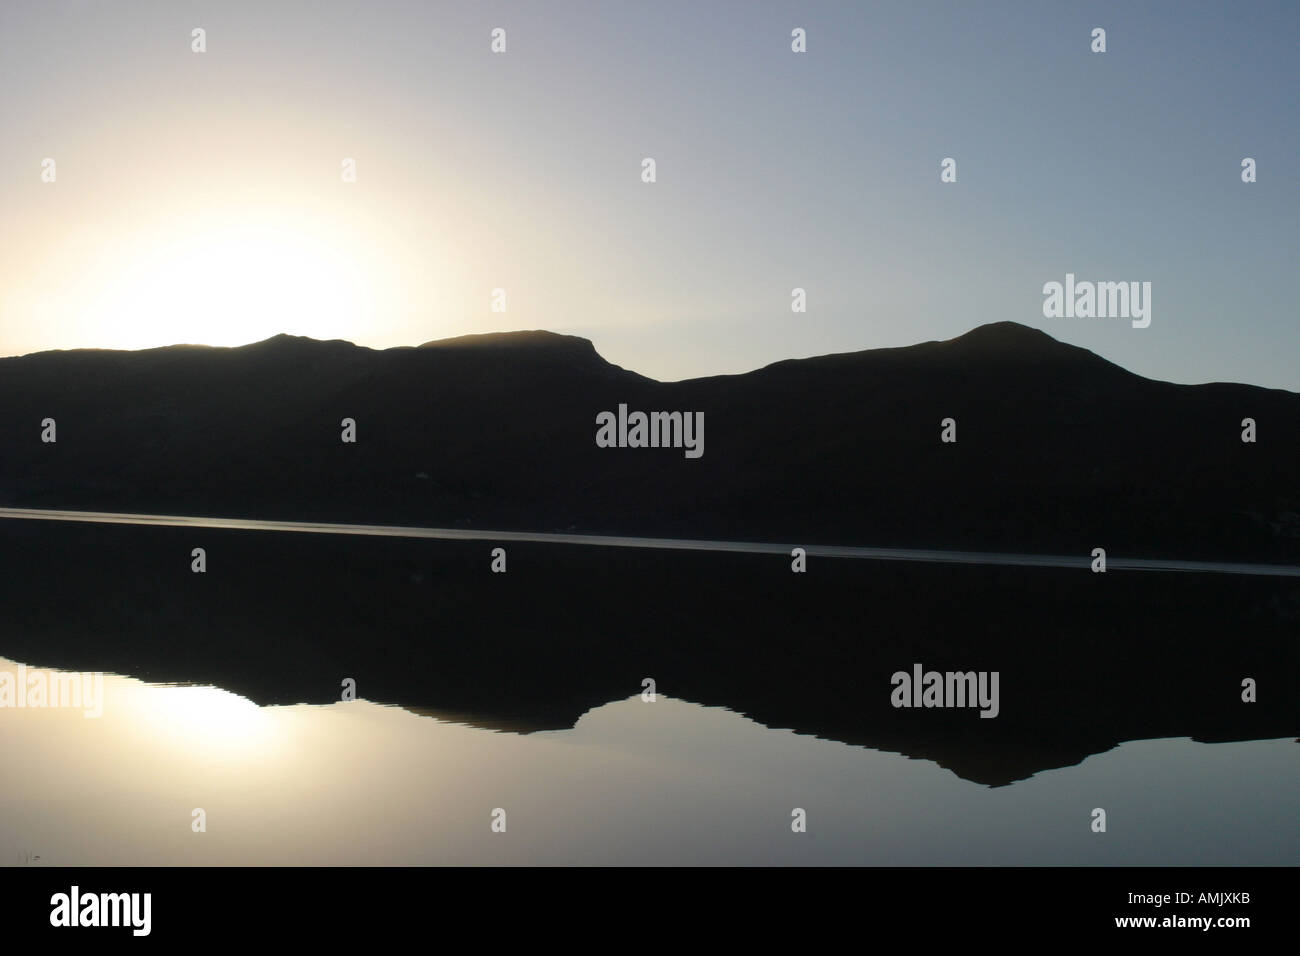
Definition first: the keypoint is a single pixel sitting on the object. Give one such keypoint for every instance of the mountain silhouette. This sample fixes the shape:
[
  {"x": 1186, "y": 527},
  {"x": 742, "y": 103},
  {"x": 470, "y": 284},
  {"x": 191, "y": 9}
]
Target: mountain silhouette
[{"x": 1057, "y": 449}]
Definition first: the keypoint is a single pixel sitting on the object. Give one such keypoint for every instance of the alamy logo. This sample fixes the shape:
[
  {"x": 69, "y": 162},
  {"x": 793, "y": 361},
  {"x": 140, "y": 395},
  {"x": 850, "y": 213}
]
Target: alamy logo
[
  {"x": 950, "y": 689},
  {"x": 1098, "y": 300},
  {"x": 653, "y": 430},
  {"x": 102, "y": 909},
  {"x": 39, "y": 689}
]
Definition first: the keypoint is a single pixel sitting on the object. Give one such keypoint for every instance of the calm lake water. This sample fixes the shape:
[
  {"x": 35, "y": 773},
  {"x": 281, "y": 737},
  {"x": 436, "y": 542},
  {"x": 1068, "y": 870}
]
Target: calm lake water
[{"x": 633, "y": 783}]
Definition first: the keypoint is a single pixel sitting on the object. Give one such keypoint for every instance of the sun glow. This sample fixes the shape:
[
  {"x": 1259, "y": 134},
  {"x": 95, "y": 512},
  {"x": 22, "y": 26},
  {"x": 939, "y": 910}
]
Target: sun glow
[
  {"x": 208, "y": 718},
  {"x": 230, "y": 285}
]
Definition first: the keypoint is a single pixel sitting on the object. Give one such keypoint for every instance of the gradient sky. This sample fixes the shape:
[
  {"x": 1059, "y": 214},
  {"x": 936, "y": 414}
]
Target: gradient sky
[{"x": 199, "y": 197}]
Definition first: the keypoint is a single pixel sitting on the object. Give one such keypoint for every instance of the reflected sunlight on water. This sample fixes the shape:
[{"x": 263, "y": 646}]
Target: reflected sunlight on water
[{"x": 668, "y": 782}]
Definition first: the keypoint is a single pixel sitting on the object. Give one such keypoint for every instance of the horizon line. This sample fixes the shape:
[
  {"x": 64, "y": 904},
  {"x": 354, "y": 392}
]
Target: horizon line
[{"x": 501, "y": 334}]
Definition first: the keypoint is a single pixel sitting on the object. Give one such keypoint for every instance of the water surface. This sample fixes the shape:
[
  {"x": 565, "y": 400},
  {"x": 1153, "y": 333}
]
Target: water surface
[{"x": 632, "y": 783}]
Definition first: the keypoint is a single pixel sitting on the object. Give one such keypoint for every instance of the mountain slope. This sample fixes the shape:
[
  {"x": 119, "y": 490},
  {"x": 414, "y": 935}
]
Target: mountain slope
[{"x": 1058, "y": 449}]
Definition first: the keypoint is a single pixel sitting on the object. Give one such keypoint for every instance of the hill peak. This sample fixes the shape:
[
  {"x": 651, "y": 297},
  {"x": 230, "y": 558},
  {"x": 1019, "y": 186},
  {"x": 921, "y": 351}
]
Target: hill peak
[
  {"x": 998, "y": 343},
  {"x": 284, "y": 340},
  {"x": 535, "y": 338},
  {"x": 526, "y": 349},
  {"x": 1007, "y": 336}
]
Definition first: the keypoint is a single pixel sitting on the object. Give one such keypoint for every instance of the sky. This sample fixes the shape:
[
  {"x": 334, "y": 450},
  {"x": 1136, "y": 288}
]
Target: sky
[{"x": 199, "y": 197}]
